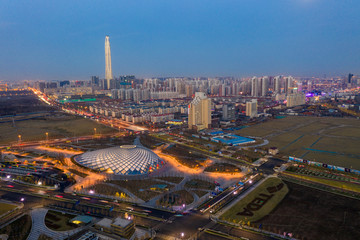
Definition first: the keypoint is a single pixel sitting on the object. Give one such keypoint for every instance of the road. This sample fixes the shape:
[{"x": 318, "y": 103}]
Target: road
[
  {"x": 268, "y": 167},
  {"x": 173, "y": 224}
]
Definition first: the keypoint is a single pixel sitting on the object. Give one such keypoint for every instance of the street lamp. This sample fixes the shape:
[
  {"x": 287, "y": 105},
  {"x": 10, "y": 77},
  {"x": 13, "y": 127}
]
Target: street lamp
[
  {"x": 47, "y": 136},
  {"x": 94, "y": 131},
  {"x": 19, "y": 137}
]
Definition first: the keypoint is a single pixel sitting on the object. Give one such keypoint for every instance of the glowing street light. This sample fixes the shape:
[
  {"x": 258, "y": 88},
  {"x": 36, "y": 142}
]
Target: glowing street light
[
  {"x": 182, "y": 234},
  {"x": 47, "y": 136},
  {"x": 39, "y": 182},
  {"x": 94, "y": 131},
  {"x": 91, "y": 191},
  {"x": 19, "y": 137}
]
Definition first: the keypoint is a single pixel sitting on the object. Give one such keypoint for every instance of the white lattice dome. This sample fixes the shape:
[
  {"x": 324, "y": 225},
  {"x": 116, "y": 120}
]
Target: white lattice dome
[{"x": 123, "y": 160}]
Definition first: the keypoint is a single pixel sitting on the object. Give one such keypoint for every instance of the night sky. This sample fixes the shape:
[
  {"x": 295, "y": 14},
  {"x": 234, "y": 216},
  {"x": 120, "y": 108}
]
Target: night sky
[{"x": 55, "y": 40}]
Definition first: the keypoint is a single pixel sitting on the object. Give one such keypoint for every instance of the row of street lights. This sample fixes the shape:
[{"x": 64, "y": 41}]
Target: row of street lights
[{"x": 46, "y": 134}]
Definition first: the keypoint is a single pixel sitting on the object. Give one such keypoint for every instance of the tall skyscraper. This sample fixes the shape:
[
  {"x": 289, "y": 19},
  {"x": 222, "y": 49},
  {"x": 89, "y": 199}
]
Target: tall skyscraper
[
  {"x": 251, "y": 108},
  {"x": 264, "y": 86},
  {"x": 200, "y": 112},
  {"x": 108, "y": 69},
  {"x": 254, "y": 87},
  {"x": 277, "y": 84},
  {"x": 349, "y": 78},
  {"x": 289, "y": 81}
]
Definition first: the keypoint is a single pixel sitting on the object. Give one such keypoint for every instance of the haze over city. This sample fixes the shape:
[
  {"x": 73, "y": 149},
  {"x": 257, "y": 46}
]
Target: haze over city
[{"x": 44, "y": 40}]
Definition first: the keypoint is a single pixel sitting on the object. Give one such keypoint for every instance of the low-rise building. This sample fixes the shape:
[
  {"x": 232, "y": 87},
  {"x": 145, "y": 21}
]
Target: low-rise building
[{"x": 118, "y": 226}]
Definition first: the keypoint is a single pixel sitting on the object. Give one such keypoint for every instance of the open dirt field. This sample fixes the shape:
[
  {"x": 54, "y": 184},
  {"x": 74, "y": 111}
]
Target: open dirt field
[
  {"x": 33, "y": 118},
  {"x": 328, "y": 140},
  {"x": 312, "y": 214}
]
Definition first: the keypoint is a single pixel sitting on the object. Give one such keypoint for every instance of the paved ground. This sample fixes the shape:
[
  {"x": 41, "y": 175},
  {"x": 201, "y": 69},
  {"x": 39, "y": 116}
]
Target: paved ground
[{"x": 39, "y": 227}]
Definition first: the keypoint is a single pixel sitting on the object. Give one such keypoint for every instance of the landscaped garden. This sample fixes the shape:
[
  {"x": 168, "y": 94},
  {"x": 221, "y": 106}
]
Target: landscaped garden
[
  {"x": 199, "y": 184},
  {"x": 200, "y": 193},
  {"x": 59, "y": 221},
  {"x": 19, "y": 229},
  {"x": 177, "y": 198},
  {"x": 175, "y": 180},
  {"x": 185, "y": 156},
  {"x": 222, "y": 168},
  {"x": 140, "y": 188},
  {"x": 149, "y": 142}
]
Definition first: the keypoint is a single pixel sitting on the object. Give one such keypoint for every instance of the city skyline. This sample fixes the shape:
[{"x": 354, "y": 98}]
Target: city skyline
[
  {"x": 235, "y": 38},
  {"x": 217, "y": 119}
]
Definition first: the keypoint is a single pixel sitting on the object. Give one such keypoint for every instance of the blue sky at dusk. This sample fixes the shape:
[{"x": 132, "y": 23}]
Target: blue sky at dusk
[{"x": 54, "y": 40}]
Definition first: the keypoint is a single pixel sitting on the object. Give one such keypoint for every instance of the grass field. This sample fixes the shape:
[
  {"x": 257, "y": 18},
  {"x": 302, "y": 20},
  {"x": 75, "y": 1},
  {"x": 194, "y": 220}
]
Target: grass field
[
  {"x": 333, "y": 183},
  {"x": 312, "y": 214},
  {"x": 57, "y": 127},
  {"x": 327, "y": 140},
  {"x": 232, "y": 214},
  {"x": 5, "y": 207}
]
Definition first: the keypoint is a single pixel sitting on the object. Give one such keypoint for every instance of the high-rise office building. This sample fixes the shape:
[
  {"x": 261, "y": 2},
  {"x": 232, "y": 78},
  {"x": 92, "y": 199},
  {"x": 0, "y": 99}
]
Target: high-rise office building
[
  {"x": 349, "y": 78},
  {"x": 200, "y": 112},
  {"x": 277, "y": 84},
  {"x": 254, "y": 87},
  {"x": 295, "y": 99},
  {"x": 95, "y": 81},
  {"x": 264, "y": 86},
  {"x": 309, "y": 86},
  {"x": 289, "y": 81},
  {"x": 228, "y": 111},
  {"x": 108, "y": 69},
  {"x": 251, "y": 108}
]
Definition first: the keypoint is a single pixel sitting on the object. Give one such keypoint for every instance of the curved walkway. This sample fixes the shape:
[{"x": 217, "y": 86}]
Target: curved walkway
[{"x": 38, "y": 226}]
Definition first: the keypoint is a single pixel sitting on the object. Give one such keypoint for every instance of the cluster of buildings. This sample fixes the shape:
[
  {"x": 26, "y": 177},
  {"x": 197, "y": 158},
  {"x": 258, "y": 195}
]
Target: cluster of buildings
[
  {"x": 141, "y": 100},
  {"x": 147, "y": 111}
]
